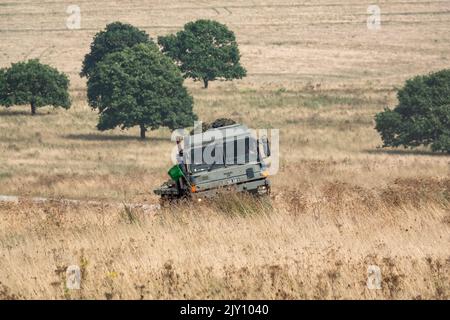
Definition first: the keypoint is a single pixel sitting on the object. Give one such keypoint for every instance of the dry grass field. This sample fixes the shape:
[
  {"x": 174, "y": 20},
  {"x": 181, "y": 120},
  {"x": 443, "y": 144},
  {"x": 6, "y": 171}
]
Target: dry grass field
[{"x": 340, "y": 203}]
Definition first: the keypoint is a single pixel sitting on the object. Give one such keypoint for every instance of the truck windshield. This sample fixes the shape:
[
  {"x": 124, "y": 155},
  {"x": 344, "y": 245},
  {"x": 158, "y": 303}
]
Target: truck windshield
[{"x": 225, "y": 154}]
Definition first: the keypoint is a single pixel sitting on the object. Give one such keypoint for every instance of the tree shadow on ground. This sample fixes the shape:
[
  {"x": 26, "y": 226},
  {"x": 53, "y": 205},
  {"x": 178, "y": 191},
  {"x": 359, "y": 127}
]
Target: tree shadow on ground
[
  {"x": 407, "y": 152},
  {"x": 112, "y": 137},
  {"x": 11, "y": 113}
]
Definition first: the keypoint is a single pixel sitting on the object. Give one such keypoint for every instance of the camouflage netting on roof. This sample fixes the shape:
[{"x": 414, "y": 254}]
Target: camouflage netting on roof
[
  {"x": 218, "y": 123},
  {"x": 222, "y": 122}
]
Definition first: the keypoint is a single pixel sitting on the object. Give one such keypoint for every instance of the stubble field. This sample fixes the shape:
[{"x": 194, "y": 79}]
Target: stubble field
[{"x": 339, "y": 203}]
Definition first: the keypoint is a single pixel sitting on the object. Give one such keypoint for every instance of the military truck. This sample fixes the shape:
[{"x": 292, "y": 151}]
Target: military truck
[{"x": 230, "y": 157}]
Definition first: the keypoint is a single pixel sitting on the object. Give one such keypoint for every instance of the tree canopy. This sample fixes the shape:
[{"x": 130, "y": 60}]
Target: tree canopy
[
  {"x": 422, "y": 116},
  {"x": 139, "y": 86},
  {"x": 116, "y": 37},
  {"x": 34, "y": 83},
  {"x": 205, "y": 50}
]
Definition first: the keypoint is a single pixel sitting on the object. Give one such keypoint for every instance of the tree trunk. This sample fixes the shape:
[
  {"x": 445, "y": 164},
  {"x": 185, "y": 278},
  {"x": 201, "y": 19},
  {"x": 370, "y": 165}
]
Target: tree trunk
[
  {"x": 33, "y": 108},
  {"x": 205, "y": 83},
  {"x": 143, "y": 130}
]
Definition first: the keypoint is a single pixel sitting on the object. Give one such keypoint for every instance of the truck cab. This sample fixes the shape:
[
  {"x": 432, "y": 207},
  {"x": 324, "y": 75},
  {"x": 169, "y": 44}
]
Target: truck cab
[{"x": 229, "y": 157}]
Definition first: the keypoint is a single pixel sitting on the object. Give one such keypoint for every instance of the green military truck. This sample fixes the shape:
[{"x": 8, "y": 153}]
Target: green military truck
[{"x": 228, "y": 157}]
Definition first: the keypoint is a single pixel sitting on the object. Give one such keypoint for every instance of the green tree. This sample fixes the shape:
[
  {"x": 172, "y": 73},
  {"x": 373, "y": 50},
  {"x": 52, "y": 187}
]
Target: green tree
[
  {"x": 422, "y": 116},
  {"x": 139, "y": 86},
  {"x": 35, "y": 84},
  {"x": 3, "y": 87},
  {"x": 116, "y": 37},
  {"x": 205, "y": 50}
]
